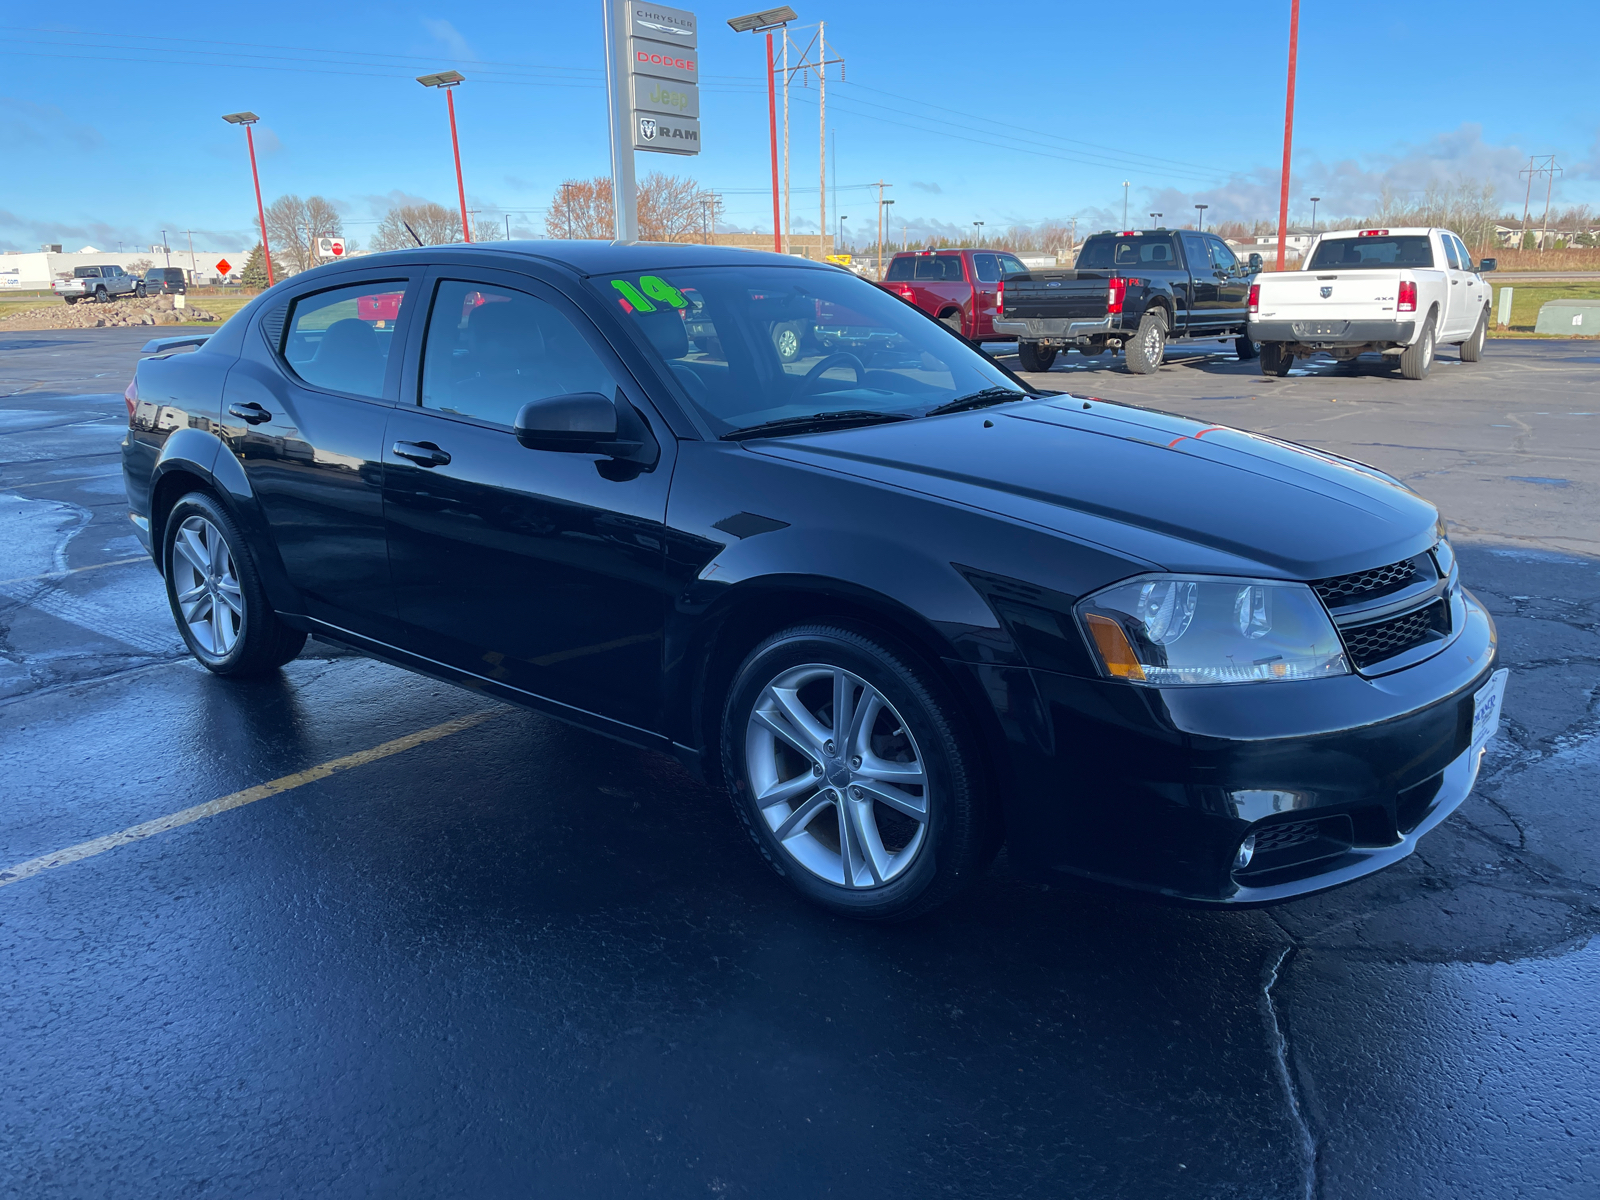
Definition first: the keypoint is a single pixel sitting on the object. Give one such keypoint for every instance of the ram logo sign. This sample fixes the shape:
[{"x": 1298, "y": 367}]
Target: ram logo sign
[{"x": 1326, "y": 292}]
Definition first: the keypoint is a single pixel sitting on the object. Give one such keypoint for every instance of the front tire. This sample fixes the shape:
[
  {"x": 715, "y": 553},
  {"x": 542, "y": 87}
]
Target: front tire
[
  {"x": 853, "y": 771},
  {"x": 216, "y": 595},
  {"x": 1418, "y": 357},
  {"x": 1276, "y": 359},
  {"x": 1033, "y": 357},
  {"x": 1149, "y": 345},
  {"x": 139, "y": 292},
  {"x": 1472, "y": 348}
]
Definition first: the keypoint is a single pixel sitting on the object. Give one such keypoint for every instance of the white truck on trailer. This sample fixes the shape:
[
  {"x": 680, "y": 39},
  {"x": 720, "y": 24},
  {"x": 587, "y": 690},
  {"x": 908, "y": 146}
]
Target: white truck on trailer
[{"x": 1399, "y": 292}]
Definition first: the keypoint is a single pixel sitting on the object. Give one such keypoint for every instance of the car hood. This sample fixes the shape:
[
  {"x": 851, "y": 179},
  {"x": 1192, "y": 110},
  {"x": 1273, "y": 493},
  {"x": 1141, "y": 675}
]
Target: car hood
[{"x": 1165, "y": 489}]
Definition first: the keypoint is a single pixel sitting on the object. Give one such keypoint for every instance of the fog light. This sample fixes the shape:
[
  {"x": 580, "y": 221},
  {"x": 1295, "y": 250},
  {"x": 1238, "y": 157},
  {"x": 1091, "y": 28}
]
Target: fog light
[{"x": 1247, "y": 851}]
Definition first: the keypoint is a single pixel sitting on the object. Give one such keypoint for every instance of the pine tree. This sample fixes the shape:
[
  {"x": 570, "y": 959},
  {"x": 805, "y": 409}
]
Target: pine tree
[{"x": 254, "y": 274}]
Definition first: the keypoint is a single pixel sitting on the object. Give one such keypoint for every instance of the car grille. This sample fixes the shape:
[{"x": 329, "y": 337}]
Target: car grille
[
  {"x": 1370, "y": 644},
  {"x": 1276, "y": 838},
  {"x": 1364, "y": 585}
]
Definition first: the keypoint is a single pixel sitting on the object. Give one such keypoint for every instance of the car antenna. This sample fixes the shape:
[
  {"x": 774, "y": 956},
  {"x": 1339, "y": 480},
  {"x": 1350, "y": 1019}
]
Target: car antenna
[{"x": 412, "y": 232}]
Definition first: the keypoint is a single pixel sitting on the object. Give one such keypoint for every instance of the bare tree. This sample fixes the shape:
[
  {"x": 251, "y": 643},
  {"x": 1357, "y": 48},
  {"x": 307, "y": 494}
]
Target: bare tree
[
  {"x": 294, "y": 226},
  {"x": 672, "y": 208},
  {"x": 434, "y": 224}
]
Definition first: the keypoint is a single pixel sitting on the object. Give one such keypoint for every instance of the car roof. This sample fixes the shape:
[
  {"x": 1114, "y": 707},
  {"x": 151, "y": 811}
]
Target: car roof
[{"x": 595, "y": 257}]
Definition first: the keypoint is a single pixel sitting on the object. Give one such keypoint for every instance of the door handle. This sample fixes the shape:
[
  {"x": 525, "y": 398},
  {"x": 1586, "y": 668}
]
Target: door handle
[
  {"x": 251, "y": 413},
  {"x": 424, "y": 454}
]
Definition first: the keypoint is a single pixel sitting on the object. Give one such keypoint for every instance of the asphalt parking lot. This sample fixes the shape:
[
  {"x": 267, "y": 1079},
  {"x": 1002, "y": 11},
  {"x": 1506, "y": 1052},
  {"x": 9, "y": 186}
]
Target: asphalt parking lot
[{"x": 479, "y": 953}]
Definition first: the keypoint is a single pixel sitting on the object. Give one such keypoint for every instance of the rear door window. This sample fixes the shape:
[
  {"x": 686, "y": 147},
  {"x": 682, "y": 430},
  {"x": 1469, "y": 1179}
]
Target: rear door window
[
  {"x": 987, "y": 267},
  {"x": 1012, "y": 265},
  {"x": 939, "y": 268},
  {"x": 490, "y": 350},
  {"x": 1450, "y": 253},
  {"x": 339, "y": 340}
]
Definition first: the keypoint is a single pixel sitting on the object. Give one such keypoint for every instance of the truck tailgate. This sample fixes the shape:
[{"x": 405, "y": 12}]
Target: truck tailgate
[
  {"x": 1347, "y": 296},
  {"x": 1068, "y": 295}
]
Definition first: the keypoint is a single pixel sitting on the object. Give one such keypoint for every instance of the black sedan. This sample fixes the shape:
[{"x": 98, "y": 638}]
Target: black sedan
[{"x": 903, "y": 607}]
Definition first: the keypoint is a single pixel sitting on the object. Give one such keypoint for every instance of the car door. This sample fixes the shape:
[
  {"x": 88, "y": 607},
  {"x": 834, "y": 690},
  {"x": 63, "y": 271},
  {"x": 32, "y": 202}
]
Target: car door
[
  {"x": 537, "y": 569},
  {"x": 303, "y": 412},
  {"x": 1458, "y": 302},
  {"x": 986, "y": 274},
  {"x": 1233, "y": 285},
  {"x": 1472, "y": 284},
  {"x": 1205, "y": 294}
]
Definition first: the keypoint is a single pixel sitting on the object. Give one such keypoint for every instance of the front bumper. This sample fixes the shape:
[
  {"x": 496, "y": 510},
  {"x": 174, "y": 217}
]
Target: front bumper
[
  {"x": 1040, "y": 329},
  {"x": 1154, "y": 789},
  {"x": 1333, "y": 333}
]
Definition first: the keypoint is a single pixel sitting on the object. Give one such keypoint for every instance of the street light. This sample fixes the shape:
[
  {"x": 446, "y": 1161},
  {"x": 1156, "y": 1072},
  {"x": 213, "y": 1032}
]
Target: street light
[
  {"x": 765, "y": 22},
  {"x": 1124, "y": 203},
  {"x": 166, "y": 250},
  {"x": 978, "y": 225},
  {"x": 1155, "y": 220},
  {"x": 1202, "y": 208},
  {"x": 840, "y": 242},
  {"x": 447, "y": 80},
  {"x": 1314, "y": 201},
  {"x": 248, "y": 119}
]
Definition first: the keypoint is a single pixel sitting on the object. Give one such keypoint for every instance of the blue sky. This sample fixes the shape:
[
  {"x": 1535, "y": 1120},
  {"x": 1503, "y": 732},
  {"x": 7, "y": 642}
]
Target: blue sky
[{"x": 110, "y": 129}]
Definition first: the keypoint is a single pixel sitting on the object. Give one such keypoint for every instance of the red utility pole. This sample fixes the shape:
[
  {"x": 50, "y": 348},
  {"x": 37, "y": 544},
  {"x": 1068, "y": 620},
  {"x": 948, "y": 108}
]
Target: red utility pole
[
  {"x": 1288, "y": 130},
  {"x": 772, "y": 130},
  {"x": 248, "y": 119},
  {"x": 455, "y": 146}
]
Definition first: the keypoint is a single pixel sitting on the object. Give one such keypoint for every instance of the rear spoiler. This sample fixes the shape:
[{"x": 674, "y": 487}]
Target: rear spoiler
[{"x": 162, "y": 345}]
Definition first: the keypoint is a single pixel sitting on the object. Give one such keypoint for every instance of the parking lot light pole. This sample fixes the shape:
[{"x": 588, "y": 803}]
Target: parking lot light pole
[
  {"x": 1155, "y": 220},
  {"x": 881, "y": 203},
  {"x": 1124, "y": 203},
  {"x": 446, "y": 80},
  {"x": 1202, "y": 209},
  {"x": 765, "y": 22},
  {"x": 1288, "y": 130},
  {"x": 248, "y": 119},
  {"x": 1314, "y": 201},
  {"x": 978, "y": 225}
]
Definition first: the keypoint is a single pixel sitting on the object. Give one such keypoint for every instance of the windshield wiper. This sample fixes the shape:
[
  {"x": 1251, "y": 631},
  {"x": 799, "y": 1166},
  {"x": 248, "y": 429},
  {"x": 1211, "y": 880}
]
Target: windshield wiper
[
  {"x": 983, "y": 399},
  {"x": 816, "y": 421}
]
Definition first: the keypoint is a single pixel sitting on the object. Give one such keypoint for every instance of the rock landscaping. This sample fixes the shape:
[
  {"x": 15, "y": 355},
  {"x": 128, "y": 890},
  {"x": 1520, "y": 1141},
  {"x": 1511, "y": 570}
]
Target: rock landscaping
[{"x": 155, "y": 310}]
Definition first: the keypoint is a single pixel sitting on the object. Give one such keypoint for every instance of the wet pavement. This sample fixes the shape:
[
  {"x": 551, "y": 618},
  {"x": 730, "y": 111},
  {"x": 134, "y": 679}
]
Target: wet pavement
[{"x": 518, "y": 959}]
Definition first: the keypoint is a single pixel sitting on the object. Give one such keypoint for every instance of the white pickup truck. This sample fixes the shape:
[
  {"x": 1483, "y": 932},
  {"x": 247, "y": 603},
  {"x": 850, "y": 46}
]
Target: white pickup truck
[{"x": 1399, "y": 292}]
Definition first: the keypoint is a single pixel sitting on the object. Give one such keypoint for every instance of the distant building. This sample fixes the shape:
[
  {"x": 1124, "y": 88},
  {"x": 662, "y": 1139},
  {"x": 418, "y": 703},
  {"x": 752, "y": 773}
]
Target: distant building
[{"x": 805, "y": 245}]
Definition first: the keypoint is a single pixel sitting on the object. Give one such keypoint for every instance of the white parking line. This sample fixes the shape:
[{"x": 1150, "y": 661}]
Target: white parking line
[{"x": 187, "y": 816}]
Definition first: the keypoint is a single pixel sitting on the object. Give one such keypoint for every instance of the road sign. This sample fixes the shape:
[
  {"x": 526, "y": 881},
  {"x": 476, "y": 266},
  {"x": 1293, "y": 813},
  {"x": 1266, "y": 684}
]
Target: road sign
[
  {"x": 664, "y": 134},
  {"x": 663, "y": 61},
  {"x": 223, "y": 266},
  {"x": 659, "y": 97},
  {"x": 330, "y": 247}
]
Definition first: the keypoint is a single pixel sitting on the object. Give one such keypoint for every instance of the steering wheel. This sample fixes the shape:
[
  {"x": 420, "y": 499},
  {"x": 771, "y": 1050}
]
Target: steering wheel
[{"x": 833, "y": 360}]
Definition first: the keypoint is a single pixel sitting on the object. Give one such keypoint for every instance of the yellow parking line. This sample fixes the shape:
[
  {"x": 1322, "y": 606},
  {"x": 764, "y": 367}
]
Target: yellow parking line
[{"x": 261, "y": 791}]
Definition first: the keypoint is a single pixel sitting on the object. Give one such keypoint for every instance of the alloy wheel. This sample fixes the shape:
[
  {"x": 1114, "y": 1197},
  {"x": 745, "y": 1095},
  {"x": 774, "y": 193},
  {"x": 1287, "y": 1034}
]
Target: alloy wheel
[
  {"x": 206, "y": 584},
  {"x": 1427, "y": 350},
  {"x": 1154, "y": 343},
  {"x": 837, "y": 776},
  {"x": 788, "y": 344}
]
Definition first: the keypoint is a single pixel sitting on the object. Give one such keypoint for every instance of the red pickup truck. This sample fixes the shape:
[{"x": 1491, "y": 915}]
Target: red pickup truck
[{"x": 957, "y": 286}]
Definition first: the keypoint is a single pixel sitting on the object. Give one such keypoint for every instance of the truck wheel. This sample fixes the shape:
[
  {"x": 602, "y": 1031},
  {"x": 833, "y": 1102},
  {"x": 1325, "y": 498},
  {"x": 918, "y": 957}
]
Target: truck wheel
[
  {"x": 1245, "y": 348},
  {"x": 1472, "y": 348},
  {"x": 100, "y": 296},
  {"x": 1148, "y": 346},
  {"x": 951, "y": 321},
  {"x": 139, "y": 291},
  {"x": 786, "y": 339},
  {"x": 1275, "y": 359},
  {"x": 1414, "y": 363},
  {"x": 70, "y": 299},
  {"x": 1034, "y": 357}
]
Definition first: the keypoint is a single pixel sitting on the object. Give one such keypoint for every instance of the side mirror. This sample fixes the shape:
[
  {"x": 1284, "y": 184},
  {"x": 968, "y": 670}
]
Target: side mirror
[
  {"x": 577, "y": 422},
  {"x": 1488, "y": 264},
  {"x": 1255, "y": 263}
]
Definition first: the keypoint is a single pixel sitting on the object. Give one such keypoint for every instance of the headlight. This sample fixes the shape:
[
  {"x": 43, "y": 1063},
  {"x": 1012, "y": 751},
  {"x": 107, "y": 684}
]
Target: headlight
[{"x": 1173, "y": 629}]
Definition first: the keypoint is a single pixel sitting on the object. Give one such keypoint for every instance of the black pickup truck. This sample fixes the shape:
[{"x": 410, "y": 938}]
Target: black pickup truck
[{"x": 1133, "y": 291}]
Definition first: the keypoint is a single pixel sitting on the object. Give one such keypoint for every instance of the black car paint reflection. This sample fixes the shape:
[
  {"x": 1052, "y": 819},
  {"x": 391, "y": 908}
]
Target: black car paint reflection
[{"x": 623, "y": 597}]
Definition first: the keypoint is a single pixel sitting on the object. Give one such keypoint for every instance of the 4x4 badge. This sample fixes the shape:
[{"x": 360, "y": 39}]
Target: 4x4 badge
[{"x": 1326, "y": 292}]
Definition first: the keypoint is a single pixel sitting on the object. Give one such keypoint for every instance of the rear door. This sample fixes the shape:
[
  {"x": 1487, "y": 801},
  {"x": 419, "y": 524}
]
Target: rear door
[
  {"x": 1473, "y": 294},
  {"x": 538, "y": 569},
  {"x": 986, "y": 278},
  {"x": 1205, "y": 293},
  {"x": 941, "y": 284},
  {"x": 303, "y": 412}
]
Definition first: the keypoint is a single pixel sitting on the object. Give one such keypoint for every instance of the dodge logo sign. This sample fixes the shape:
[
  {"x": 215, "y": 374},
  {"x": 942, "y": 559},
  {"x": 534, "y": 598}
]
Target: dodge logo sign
[
  {"x": 1326, "y": 292},
  {"x": 647, "y": 129}
]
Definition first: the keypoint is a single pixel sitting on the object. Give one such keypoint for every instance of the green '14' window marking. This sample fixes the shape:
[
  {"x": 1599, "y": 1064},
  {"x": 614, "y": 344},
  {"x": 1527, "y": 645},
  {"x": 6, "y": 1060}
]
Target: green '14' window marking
[
  {"x": 652, "y": 286},
  {"x": 631, "y": 296}
]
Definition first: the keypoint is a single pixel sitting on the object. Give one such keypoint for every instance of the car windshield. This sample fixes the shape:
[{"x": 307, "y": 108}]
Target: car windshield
[
  {"x": 748, "y": 345},
  {"x": 1358, "y": 253}
]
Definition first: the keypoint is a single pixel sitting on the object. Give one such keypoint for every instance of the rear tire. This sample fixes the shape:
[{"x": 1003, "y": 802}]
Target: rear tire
[
  {"x": 70, "y": 299},
  {"x": 1472, "y": 348},
  {"x": 1149, "y": 345},
  {"x": 216, "y": 595},
  {"x": 840, "y": 847},
  {"x": 1418, "y": 358},
  {"x": 951, "y": 321},
  {"x": 786, "y": 340},
  {"x": 1245, "y": 348},
  {"x": 1276, "y": 359},
  {"x": 1033, "y": 357},
  {"x": 100, "y": 296}
]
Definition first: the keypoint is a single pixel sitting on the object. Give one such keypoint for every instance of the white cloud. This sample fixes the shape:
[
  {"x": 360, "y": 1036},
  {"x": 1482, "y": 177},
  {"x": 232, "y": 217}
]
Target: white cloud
[
  {"x": 24, "y": 123},
  {"x": 448, "y": 36}
]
